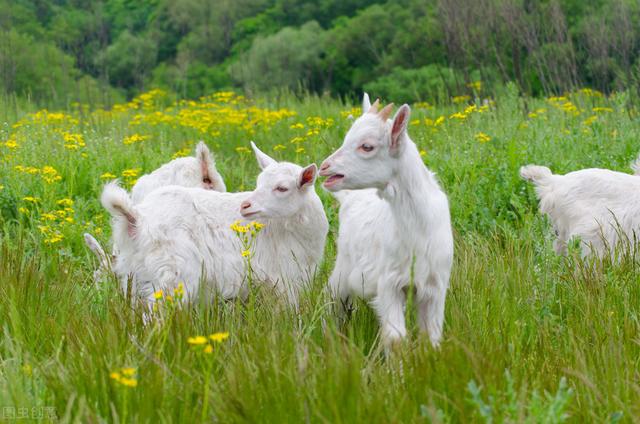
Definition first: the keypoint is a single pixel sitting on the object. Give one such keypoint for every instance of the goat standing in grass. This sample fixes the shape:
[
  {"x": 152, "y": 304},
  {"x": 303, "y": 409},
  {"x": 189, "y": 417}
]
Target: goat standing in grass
[
  {"x": 196, "y": 171},
  {"x": 394, "y": 223},
  {"x": 599, "y": 206},
  {"x": 180, "y": 234}
]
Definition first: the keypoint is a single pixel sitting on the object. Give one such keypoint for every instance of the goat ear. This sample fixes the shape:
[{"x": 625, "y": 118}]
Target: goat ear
[
  {"x": 204, "y": 158},
  {"x": 264, "y": 160},
  {"x": 366, "y": 103},
  {"x": 308, "y": 176},
  {"x": 202, "y": 152},
  {"x": 399, "y": 127}
]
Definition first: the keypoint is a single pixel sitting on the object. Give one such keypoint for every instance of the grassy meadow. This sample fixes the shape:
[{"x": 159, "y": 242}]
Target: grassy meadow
[{"x": 528, "y": 337}]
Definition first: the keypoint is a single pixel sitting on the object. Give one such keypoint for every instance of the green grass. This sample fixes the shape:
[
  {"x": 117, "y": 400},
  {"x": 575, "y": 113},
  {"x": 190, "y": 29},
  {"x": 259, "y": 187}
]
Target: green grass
[{"x": 528, "y": 336}]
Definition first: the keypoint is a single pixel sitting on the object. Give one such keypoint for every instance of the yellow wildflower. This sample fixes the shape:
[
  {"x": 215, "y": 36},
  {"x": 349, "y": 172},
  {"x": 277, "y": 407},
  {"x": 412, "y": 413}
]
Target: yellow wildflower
[
  {"x": 353, "y": 112},
  {"x": 181, "y": 153},
  {"x": 134, "y": 138},
  {"x": 197, "y": 340},
  {"x": 65, "y": 202},
  {"x": 219, "y": 337},
  {"x": 460, "y": 99},
  {"x": 300, "y": 150},
  {"x": 31, "y": 199},
  {"x": 129, "y": 382},
  {"x": 158, "y": 295},
  {"x": 243, "y": 149},
  {"x": 131, "y": 172},
  {"x": 128, "y": 372},
  {"x": 107, "y": 176},
  {"x": 125, "y": 376},
  {"x": 279, "y": 147},
  {"x": 236, "y": 227},
  {"x": 297, "y": 125},
  {"x": 208, "y": 349},
  {"x": 482, "y": 137},
  {"x": 476, "y": 85}
]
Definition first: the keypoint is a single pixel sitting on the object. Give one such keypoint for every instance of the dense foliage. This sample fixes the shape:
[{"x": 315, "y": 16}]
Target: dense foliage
[{"x": 405, "y": 49}]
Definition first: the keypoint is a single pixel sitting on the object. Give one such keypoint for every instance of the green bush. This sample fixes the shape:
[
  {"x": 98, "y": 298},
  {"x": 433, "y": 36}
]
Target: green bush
[{"x": 429, "y": 83}]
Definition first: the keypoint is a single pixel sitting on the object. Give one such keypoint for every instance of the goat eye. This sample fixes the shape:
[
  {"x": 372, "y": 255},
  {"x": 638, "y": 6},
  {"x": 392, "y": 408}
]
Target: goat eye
[
  {"x": 282, "y": 189},
  {"x": 366, "y": 147}
]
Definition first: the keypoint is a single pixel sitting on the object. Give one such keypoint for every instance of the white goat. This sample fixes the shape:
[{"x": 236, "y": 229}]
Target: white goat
[
  {"x": 196, "y": 171},
  {"x": 394, "y": 222},
  {"x": 180, "y": 234},
  {"x": 596, "y": 205}
]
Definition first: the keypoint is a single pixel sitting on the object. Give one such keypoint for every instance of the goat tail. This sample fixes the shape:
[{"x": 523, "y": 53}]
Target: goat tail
[
  {"x": 536, "y": 174},
  {"x": 635, "y": 166},
  {"x": 97, "y": 249},
  {"x": 116, "y": 200}
]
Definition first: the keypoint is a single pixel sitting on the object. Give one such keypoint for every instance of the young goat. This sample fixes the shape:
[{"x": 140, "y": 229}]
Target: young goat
[
  {"x": 599, "y": 206},
  {"x": 395, "y": 228},
  {"x": 197, "y": 171},
  {"x": 180, "y": 234}
]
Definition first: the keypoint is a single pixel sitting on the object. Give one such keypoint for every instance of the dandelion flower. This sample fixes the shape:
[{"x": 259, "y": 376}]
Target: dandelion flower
[
  {"x": 128, "y": 372},
  {"x": 197, "y": 340},
  {"x": 219, "y": 337},
  {"x": 482, "y": 137}
]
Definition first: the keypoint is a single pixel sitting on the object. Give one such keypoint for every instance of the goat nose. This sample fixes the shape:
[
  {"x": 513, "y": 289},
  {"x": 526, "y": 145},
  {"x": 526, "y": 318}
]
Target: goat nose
[
  {"x": 324, "y": 168},
  {"x": 245, "y": 205}
]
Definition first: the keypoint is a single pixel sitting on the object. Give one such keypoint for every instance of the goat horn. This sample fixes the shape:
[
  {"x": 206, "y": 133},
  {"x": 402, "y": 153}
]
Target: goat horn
[
  {"x": 385, "y": 112},
  {"x": 374, "y": 106}
]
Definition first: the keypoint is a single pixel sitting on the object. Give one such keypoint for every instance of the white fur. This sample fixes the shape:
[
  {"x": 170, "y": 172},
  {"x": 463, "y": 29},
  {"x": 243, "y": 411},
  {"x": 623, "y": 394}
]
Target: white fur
[
  {"x": 197, "y": 171},
  {"x": 104, "y": 261},
  {"x": 180, "y": 234},
  {"x": 635, "y": 166},
  {"x": 394, "y": 220},
  {"x": 596, "y": 205}
]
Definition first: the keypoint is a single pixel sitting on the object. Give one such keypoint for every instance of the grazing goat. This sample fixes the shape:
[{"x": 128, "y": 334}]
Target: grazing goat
[
  {"x": 395, "y": 228},
  {"x": 197, "y": 171},
  {"x": 180, "y": 234},
  {"x": 599, "y": 206}
]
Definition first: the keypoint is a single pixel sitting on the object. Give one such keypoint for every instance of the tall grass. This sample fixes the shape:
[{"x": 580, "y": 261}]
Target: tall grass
[{"x": 529, "y": 336}]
